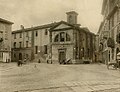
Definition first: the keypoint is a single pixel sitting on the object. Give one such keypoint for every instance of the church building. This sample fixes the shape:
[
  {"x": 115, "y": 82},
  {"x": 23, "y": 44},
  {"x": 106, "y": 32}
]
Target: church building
[
  {"x": 56, "y": 42},
  {"x": 68, "y": 40}
]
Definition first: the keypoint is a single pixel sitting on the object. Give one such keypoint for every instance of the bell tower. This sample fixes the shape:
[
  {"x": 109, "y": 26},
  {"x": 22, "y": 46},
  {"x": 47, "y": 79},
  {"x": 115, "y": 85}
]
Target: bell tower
[{"x": 72, "y": 17}]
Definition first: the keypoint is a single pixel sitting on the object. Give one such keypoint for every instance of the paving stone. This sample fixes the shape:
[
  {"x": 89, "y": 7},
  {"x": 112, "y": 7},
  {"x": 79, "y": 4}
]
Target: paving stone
[
  {"x": 81, "y": 89},
  {"x": 69, "y": 84},
  {"x": 50, "y": 78},
  {"x": 52, "y": 90},
  {"x": 100, "y": 87},
  {"x": 76, "y": 83},
  {"x": 80, "y": 83}
]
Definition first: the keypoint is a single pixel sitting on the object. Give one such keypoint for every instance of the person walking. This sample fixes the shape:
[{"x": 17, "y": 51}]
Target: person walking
[
  {"x": 39, "y": 61},
  {"x": 18, "y": 63},
  {"x": 47, "y": 59}
]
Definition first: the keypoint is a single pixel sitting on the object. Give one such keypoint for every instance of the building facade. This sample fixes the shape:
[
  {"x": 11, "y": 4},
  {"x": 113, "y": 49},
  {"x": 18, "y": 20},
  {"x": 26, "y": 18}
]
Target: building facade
[
  {"x": 109, "y": 31},
  {"x": 70, "y": 41},
  {"x": 30, "y": 43},
  {"x": 60, "y": 41},
  {"x": 22, "y": 44},
  {"x": 5, "y": 40}
]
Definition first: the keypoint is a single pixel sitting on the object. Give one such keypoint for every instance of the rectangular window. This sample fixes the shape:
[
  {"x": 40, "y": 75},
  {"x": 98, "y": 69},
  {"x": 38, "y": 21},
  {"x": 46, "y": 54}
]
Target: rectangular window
[
  {"x": 36, "y": 49},
  {"x": 20, "y": 44},
  {"x": 112, "y": 20},
  {"x": 26, "y": 44},
  {"x": 14, "y": 36},
  {"x": 62, "y": 37},
  {"x": 109, "y": 25},
  {"x": 0, "y": 54},
  {"x": 27, "y": 34},
  {"x": 46, "y": 32},
  {"x": 14, "y": 55},
  {"x": 88, "y": 52},
  {"x": 14, "y": 45},
  {"x": 45, "y": 49},
  {"x": 6, "y": 37},
  {"x": 20, "y": 35},
  {"x": 36, "y": 33}
]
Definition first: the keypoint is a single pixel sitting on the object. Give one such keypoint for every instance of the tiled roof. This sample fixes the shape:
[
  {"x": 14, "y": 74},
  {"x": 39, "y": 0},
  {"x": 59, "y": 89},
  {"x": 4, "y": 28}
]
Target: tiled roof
[
  {"x": 36, "y": 27},
  {"x": 52, "y": 26},
  {"x": 5, "y": 21},
  {"x": 77, "y": 27}
]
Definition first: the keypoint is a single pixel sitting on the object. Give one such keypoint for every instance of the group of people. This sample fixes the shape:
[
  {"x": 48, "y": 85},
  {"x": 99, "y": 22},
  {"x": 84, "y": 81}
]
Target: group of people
[
  {"x": 113, "y": 64},
  {"x": 48, "y": 59},
  {"x": 20, "y": 62}
]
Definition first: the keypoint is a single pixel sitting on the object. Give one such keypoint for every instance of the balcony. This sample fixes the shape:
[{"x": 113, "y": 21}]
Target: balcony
[{"x": 105, "y": 34}]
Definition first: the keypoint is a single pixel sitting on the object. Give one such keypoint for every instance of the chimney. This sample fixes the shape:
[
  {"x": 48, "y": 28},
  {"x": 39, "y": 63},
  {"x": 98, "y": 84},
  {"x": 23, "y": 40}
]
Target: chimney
[
  {"x": 21, "y": 27},
  {"x": 72, "y": 17}
]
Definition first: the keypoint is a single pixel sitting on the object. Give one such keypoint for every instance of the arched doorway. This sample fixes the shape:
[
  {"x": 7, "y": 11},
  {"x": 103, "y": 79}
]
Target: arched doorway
[
  {"x": 20, "y": 56},
  {"x": 118, "y": 57},
  {"x": 62, "y": 55},
  {"x": 117, "y": 50}
]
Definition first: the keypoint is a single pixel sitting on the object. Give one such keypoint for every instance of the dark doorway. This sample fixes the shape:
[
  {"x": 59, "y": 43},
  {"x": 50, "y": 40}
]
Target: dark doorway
[
  {"x": 20, "y": 56},
  {"x": 117, "y": 50},
  {"x": 62, "y": 56}
]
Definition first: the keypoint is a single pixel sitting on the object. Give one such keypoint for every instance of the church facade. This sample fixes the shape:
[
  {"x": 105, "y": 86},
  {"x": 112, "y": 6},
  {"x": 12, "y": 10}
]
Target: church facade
[{"x": 69, "y": 41}]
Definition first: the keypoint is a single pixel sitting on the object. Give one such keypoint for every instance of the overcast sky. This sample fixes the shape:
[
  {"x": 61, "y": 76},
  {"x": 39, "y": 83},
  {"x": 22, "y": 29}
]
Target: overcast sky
[{"x": 37, "y": 12}]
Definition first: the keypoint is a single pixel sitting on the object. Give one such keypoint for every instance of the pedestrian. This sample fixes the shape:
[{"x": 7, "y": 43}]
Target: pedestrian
[
  {"x": 39, "y": 60},
  {"x": 47, "y": 59},
  {"x": 21, "y": 62},
  {"x": 25, "y": 60},
  {"x": 18, "y": 63},
  {"x": 51, "y": 61}
]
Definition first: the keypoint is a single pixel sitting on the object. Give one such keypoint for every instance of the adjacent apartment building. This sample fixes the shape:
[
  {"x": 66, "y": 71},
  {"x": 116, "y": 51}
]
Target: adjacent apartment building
[
  {"x": 5, "y": 40},
  {"x": 57, "y": 41},
  {"x": 109, "y": 31}
]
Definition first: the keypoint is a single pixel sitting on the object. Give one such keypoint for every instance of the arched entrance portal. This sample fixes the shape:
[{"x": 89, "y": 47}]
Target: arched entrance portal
[
  {"x": 20, "y": 56},
  {"x": 62, "y": 55}
]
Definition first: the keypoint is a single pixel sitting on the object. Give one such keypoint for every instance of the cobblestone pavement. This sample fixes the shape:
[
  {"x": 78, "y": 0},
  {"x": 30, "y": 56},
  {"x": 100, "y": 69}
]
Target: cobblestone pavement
[{"x": 41, "y": 77}]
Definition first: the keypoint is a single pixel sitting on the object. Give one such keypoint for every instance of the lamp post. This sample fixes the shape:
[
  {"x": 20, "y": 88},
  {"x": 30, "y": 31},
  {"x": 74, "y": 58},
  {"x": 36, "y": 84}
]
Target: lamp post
[
  {"x": 74, "y": 54},
  {"x": 39, "y": 56}
]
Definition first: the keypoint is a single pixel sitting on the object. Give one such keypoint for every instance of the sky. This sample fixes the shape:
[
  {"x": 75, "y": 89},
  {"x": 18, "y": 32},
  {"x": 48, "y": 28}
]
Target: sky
[{"x": 32, "y": 13}]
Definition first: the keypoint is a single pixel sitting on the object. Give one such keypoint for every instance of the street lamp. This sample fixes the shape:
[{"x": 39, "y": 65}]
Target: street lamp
[
  {"x": 39, "y": 56},
  {"x": 38, "y": 51}
]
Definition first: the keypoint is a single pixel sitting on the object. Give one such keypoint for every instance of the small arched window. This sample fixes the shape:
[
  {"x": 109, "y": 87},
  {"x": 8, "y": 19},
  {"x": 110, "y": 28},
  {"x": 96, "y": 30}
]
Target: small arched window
[{"x": 56, "y": 38}]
